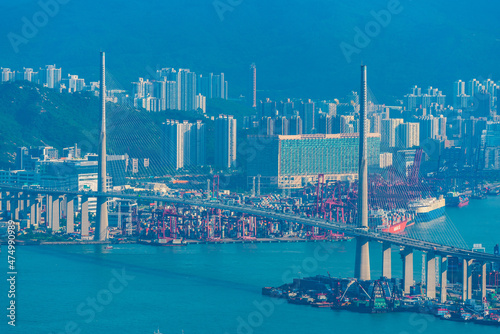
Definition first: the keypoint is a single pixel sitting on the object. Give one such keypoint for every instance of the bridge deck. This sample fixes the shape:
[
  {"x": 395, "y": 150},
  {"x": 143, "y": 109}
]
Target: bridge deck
[{"x": 343, "y": 228}]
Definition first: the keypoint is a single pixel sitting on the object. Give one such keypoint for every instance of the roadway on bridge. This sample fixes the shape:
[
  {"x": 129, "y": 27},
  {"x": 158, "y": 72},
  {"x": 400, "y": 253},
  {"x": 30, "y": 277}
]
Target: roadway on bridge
[{"x": 348, "y": 230}]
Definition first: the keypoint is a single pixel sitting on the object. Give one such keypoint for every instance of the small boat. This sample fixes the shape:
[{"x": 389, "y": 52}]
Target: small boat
[
  {"x": 322, "y": 304},
  {"x": 108, "y": 247},
  {"x": 455, "y": 199}
]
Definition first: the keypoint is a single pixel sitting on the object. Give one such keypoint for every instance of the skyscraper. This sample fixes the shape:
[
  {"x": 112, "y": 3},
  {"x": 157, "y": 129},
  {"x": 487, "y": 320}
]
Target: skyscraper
[
  {"x": 482, "y": 104},
  {"x": 171, "y": 96},
  {"x": 408, "y": 135},
  {"x": 201, "y": 103},
  {"x": 460, "y": 99},
  {"x": 281, "y": 126},
  {"x": 307, "y": 114},
  {"x": 183, "y": 144},
  {"x": 7, "y": 75},
  {"x": 138, "y": 88},
  {"x": 324, "y": 124},
  {"x": 252, "y": 89},
  {"x": 416, "y": 99},
  {"x": 218, "y": 86},
  {"x": 285, "y": 108},
  {"x": 295, "y": 125},
  {"x": 433, "y": 127},
  {"x": 197, "y": 141},
  {"x": 51, "y": 76},
  {"x": 375, "y": 123},
  {"x": 186, "y": 89},
  {"x": 267, "y": 108},
  {"x": 225, "y": 142},
  {"x": 388, "y": 132},
  {"x": 160, "y": 92},
  {"x": 266, "y": 126},
  {"x": 173, "y": 144},
  {"x": 204, "y": 85}
]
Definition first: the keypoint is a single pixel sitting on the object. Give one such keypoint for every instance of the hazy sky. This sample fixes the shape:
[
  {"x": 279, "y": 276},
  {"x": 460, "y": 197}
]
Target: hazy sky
[{"x": 302, "y": 48}]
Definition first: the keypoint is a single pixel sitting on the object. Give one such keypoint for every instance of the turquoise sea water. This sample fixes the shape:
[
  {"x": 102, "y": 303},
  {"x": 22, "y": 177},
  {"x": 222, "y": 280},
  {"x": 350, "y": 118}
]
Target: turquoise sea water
[{"x": 208, "y": 288}]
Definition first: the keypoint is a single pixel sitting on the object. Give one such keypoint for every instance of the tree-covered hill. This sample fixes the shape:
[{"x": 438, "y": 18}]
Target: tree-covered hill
[{"x": 31, "y": 115}]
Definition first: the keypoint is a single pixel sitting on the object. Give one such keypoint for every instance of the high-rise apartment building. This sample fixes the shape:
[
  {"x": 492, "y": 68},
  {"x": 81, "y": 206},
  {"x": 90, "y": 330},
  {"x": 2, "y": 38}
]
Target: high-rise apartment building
[
  {"x": 408, "y": 135},
  {"x": 7, "y": 75},
  {"x": 296, "y": 125},
  {"x": 306, "y": 112},
  {"x": 225, "y": 142},
  {"x": 267, "y": 108},
  {"x": 50, "y": 76},
  {"x": 183, "y": 144},
  {"x": 286, "y": 108},
  {"x": 186, "y": 92},
  {"x": 415, "y": 99},
  {"x": 375, "y": 123},
  {"x": 388, "y": 132}
]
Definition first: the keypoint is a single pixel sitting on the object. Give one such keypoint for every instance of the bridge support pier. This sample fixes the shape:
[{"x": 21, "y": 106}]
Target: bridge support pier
[
  {"x": 7, "y": 201},
  {"x": 48, "y": 211},
  {"x": 386, "y": 260},
  {"x": 444, "y": 278},
  {"x": 14, "y": 207},
  {"x": 20, "y": 202},
  {"x": 55, "y": 215},
  {"x": 362, "y": 266},
  {"x": 70, "y": 214},
  {"x": 431, "y": 276},
  {"x": 63, "y": 206},
  {"x": 469, "y": 279},
  {"x": 38, "y": 210},
  {"x": 483, "y": 282},
  {"x": 33, "y": 211},
  {"x": 464, "y": 280},
  {"x": 85, "y": 217},
  {"x": 407, "y": 256}
]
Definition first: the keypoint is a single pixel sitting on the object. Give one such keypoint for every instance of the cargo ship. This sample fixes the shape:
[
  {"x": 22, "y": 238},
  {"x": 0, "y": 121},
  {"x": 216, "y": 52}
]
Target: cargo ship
[
  {"x": 389, "y": 221},
  {"x": 427, "y": 209},
  {"x": 455, "y": 199}
]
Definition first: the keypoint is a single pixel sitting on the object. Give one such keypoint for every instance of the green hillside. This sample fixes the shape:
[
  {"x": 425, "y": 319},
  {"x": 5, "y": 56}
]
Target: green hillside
[{"x": 31, "y": 115}]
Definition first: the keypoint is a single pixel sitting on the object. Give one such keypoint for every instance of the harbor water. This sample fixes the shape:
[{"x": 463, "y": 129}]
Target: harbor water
[{"x": 209, "y": 288}]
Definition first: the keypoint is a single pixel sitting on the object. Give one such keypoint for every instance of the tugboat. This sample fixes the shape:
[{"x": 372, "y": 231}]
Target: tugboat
[{"x": 456, "y": 199}]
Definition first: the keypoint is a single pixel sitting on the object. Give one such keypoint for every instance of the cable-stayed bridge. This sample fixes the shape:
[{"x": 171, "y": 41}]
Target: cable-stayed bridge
[
  {"x": 438, "y": 243},
  {"x": 446, "y": 248}
]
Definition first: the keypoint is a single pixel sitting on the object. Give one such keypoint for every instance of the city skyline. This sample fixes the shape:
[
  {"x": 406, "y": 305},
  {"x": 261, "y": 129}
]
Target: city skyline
[{"x": 249, "y": 166}]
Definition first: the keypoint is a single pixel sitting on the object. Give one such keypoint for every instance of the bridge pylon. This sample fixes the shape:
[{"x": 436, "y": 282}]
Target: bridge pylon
[
  {"x": 102, "y": 202},
  {"x": 362, "y": 265}
]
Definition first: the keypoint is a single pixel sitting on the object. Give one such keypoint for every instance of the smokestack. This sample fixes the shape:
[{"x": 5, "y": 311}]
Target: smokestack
[
  {"x": 102, "y": 202},
  {"x": 362, "y": 269}
]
